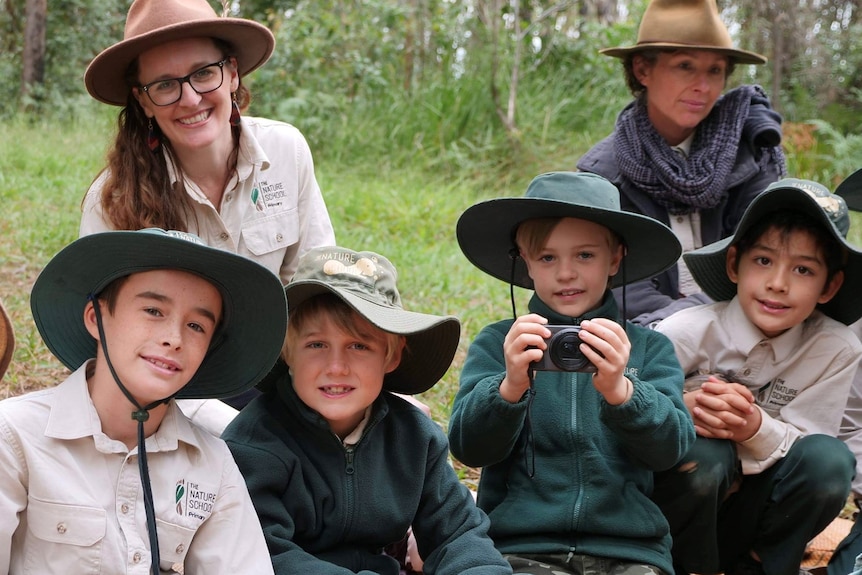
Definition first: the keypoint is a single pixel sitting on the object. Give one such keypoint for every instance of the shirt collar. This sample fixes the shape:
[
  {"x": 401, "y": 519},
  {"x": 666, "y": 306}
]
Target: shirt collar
[
  {"x": 684, "y": 147},
  {"x": 747, "y": 335},
  {"x": 251, "y": 155},
  {"x": 73, "y": 416}
]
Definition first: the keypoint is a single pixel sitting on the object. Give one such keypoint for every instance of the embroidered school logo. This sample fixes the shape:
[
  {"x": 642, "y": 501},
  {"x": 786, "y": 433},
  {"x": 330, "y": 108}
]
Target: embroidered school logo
[
  {"x": 180, "y": 494},
  {"x": 273, "y": 194},
  {"x": 193, "y": 499}
]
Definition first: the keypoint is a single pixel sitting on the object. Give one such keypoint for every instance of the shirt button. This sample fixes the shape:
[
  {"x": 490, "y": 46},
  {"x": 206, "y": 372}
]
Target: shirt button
[
  {"x": 279, "y": 238},
  {"x": 180, "y": 548},
  {"x": 136, "y": 558},
  {"x": 746, "y": 371},
  {"x": 680, "y": 219},
  {"x": 61, "y": 528},
  {"x": 223, "y": 236},
  {"x": 228, "y": 198},
  {"x": 124, "y": 508}
]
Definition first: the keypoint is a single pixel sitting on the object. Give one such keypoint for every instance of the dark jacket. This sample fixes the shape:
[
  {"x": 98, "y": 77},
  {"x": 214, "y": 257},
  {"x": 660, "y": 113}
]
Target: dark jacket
[
  {"x": 594, "y": 462},
  {"x": 327, "y": 509},
  {"x": 755, "y": 168}
]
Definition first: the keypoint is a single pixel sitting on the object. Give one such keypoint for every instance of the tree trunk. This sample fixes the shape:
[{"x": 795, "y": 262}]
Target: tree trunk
[{"x": 33, "y": 60}]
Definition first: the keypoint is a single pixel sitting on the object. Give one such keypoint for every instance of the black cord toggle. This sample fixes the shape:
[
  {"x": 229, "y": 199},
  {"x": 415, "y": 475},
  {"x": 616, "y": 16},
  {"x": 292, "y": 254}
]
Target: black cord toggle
[{"x": 141, "y": 415}]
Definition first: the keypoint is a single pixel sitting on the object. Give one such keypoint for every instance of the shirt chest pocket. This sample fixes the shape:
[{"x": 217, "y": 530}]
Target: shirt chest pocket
[
  {"x": 61, "y": 535},
  {"x": 273, "y": 232},
  {"x": 174, "y": 542}
]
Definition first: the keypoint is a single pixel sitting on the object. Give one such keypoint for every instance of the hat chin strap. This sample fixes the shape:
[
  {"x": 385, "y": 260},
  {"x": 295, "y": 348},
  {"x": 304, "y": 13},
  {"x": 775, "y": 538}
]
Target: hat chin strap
[{"x": 141, "y": 414}]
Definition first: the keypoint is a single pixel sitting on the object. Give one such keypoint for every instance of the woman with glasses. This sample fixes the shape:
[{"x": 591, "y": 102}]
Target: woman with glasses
[{"x": 184, "y": 157}]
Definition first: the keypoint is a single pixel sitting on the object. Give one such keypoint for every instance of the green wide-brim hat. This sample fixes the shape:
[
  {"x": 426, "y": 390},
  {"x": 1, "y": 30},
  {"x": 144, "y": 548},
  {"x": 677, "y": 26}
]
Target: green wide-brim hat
[
  {"x": 708, "y": 264},
  {"x": 248, "y": 339},
  {"x": 366, "y": 281},
  {"x": 684, "y": 25},
  {"x": 851, "y": 190},
  {"x": 486, "y": 231}
]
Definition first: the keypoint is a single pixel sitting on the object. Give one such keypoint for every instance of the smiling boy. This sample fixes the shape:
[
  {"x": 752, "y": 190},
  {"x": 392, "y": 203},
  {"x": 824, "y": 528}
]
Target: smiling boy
[
  {"x": 568, "y": 456},
  {"x": 768, "y": 370},
  {"x": 141, "y": 318},
  {"x": 337, "y": 465}
]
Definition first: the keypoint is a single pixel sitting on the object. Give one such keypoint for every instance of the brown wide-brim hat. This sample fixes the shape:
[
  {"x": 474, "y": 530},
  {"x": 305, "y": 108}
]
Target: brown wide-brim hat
[
  {"x": 153, "y": 22},
  {"x": 7, "y": 340},
  {"x": 685, "y": 24}
]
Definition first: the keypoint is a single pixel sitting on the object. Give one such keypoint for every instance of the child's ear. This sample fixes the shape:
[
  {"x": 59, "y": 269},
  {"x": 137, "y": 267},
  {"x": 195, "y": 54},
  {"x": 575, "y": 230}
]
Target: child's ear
[
  {"x": 617, "y": 258},
  {"x": 730, "y": 264},
  {"x": 832, "y": 287},
  {"x": 90, "y": 320},
  {"x": 395, "y": 360}
]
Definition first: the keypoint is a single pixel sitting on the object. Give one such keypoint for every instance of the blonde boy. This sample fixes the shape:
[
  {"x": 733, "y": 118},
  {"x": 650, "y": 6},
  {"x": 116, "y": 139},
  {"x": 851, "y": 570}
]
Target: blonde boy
[
  {"x": 568, "y": 450},
  {"x": 339, "y": 467}
]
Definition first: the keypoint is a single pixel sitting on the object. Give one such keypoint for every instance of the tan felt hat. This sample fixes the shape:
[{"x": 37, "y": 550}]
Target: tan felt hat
[
  {"x": 153, "y": 22},
  {"x": 685, "y": 24},
  {"x": 7, "y": 340}
]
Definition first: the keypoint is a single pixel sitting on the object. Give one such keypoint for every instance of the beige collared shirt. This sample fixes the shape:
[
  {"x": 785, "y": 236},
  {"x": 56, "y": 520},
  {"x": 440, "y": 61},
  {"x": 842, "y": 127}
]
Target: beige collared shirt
[
  {"x": 800, "y": 379},
  {"x": 71, "y": 499},
  {"x": 272, "y": 213},
  {"x": 686, "y": 227}
]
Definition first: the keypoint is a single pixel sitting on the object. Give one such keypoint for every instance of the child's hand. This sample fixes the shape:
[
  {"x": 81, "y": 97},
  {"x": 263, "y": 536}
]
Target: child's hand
[
  {"x": 723, "y": 410},
  {"x": 524, "y": 344},
  {"x": 610, "y": 340}
]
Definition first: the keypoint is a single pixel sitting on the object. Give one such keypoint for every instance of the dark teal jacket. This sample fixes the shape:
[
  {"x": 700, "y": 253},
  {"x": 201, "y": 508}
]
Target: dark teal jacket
[
  {"x": 328, "y": 510},
  {"x": 594, "y": 462}
]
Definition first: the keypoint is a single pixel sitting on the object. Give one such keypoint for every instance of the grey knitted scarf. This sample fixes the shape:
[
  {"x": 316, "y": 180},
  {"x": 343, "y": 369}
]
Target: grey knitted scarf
[{"x": 684, "y": 185}]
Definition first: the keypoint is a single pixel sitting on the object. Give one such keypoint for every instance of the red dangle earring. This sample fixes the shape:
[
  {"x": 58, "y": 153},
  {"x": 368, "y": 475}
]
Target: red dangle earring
[
  {"x": 153, "y": 141},
  {"x": 234, "y": 113}
]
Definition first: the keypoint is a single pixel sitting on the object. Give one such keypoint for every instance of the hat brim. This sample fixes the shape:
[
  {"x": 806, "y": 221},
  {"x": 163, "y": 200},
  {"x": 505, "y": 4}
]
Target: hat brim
[
  {"x": 486, "y": 234},
  {"x": 708, "y": 264},
  {"x": 252, "y": 43},
  {"x": 246, "y": 343},
  {"x": 432, "y": 340},
  {"x": 740, "y": 56},
  {"x": 7, "y": 341},
  {"x": 851, "y": 190}
]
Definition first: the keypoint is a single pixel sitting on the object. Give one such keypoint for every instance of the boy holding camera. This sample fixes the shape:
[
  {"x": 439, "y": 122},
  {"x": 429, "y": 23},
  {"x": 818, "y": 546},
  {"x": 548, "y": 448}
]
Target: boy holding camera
[
  {"x": 768, "y": 369},
  {"x": 568, "y": 456}
]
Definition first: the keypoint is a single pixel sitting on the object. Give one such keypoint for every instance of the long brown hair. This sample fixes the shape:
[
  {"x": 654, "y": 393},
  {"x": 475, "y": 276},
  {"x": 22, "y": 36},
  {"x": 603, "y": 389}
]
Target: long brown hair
[{"x": 138, "y": 192}]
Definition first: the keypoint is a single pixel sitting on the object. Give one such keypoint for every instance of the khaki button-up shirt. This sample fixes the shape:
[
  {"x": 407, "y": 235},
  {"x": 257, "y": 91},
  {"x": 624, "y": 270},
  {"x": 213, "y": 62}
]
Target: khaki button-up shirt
[
  {"x": 71, "y": 499},
  {"x": 272, "y": 211},
  {"x": 800, "y": 379}
]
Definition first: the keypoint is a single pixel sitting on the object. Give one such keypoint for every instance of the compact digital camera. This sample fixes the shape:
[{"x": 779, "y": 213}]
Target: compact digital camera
[{"x": 563, "y": 352}]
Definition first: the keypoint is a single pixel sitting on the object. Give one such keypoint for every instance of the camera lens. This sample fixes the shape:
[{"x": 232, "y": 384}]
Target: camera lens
[{"x": 564, "y": 350}]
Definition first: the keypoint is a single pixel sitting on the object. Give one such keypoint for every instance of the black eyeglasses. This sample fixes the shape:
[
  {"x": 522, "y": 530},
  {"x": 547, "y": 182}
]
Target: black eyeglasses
[{"x": 170, "y": 90}]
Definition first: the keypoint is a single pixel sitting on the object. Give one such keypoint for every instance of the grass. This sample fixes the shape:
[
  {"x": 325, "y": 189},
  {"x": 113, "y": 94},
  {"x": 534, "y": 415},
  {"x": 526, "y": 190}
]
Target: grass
[{"x": 406, "y": 214}]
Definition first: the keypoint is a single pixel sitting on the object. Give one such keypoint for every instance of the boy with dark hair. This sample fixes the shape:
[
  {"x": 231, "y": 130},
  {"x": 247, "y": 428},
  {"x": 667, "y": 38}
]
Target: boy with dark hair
[
  {"x": 141, "y": 318},
  {"x": 768, "y": 370},
  {"x": 568, "y": 449},
  {"x": 339, "y": 467}
]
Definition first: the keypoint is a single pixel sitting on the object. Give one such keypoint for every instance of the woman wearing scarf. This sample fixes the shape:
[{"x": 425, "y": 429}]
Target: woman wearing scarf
[{"x": 682, "y": 152}]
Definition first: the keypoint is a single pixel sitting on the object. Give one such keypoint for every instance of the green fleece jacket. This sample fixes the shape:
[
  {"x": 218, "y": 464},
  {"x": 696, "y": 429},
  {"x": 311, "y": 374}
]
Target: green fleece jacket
[
  {"x": 329, "y": 510},
  {"x": 594, "y": 462}
]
